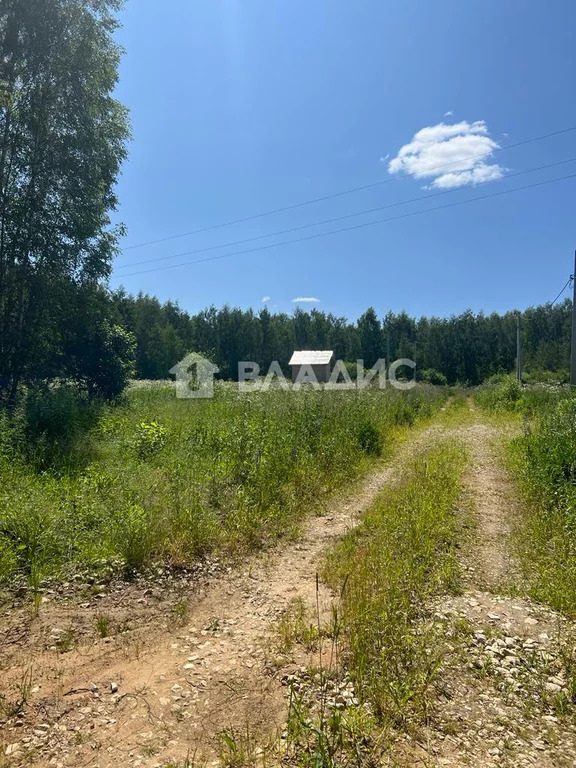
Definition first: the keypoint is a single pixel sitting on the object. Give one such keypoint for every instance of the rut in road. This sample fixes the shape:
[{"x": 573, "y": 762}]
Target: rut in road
[{"x": 176, "y": 693}]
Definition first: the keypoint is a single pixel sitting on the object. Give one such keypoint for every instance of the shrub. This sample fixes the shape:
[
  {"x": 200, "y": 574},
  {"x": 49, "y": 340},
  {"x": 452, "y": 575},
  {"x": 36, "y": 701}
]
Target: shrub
[
  {"x": 432, "y": 376},
  {"x": 500, "y": 393},
  {"x": 56, "y": 423}
]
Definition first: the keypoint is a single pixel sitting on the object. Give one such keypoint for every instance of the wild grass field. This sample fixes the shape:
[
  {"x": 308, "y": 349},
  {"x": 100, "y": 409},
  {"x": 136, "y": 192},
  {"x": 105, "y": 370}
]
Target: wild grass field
[{"x": 158, "y": 479}]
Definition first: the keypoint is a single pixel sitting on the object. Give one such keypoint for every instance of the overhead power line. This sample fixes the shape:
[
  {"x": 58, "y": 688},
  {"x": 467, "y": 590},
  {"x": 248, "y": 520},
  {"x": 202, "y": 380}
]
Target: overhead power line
[
  {"x": 562, "y": 291},
  {"x": 349, "y": 229},
  {"x": 341, "y": 193},
  {"x": 333, "y": 220}
]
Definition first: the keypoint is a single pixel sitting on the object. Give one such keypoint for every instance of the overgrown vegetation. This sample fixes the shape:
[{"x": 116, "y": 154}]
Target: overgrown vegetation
[
  {"x": 545, "y": 462},
  {"x": 504, "y": 394},
  {"x": 387, "y": 571},
  {"x": 168, "y": 479}
]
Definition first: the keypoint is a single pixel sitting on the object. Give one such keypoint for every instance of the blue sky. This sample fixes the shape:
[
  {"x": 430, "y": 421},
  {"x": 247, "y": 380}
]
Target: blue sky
[{"x": 243, "y": 106}]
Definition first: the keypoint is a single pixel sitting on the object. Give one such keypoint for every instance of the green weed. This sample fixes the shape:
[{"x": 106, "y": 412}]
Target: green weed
[
  {"x": 295, "y": 627},
  {"x": 171, "y": 480},
  {"x": 399, "y": 557},
  {"x": 103, "y": 625},
  {"x": 544, "y": 461}
]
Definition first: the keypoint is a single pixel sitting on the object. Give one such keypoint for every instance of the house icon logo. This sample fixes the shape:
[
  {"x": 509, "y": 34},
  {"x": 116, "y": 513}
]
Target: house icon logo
[{"x": 194, "y": 376}]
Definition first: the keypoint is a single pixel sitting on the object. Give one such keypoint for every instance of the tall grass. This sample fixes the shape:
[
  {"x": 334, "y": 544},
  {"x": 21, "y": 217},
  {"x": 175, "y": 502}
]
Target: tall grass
[
  {"x": 544, "y": 460},
  {"x": 157, "y": 478},
  {"x": 388, "y": 568},
  {"x": 504, "y": 394}
]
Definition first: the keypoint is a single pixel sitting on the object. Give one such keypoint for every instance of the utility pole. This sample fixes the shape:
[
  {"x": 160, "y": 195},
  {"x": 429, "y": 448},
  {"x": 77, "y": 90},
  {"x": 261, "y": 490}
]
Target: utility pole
[
  {"x": 573, "y": 341},
  {"x": 518, "y": 350}
]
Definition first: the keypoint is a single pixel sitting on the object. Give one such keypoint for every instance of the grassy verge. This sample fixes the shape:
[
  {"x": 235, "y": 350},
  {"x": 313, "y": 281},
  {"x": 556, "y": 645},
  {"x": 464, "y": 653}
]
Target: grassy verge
[
  {"x": 164, "y": 480},
  {"x": 544, "y": 462},
  {"x": 387, "y": 571},
  {"x": 503, "y": 395}
]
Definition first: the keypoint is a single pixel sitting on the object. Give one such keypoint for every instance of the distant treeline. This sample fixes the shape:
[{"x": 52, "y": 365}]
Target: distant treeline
[{"x": 466, "y": 348}]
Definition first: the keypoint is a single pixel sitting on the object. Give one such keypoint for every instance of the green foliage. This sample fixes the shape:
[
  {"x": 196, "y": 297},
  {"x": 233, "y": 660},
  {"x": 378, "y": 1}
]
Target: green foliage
[
  {"x": 55, "y": 425},
  {"x": 132, "y": 537},
  {"x": 352, "y": 370},
  {"x": 103, "y": 625},
  {"x": 369, "y": 438},
  {"x": 500, "y": 393},
  {"x": 150, "y": 439},
  {"x": 545, "y": 461},
  {"x": 103, "y": 358},
  {"x": 8, "y": 560},
  {"x": 238, "y": 748},
  {"x": 542, "y": 376},
  {"x": 387, "y": 569},
  {"x": 464, "y": 349},
  {"x": 62, "y": 141},
  {"x": 432, "y": 376},
  {"x": 157, "y": 478}
]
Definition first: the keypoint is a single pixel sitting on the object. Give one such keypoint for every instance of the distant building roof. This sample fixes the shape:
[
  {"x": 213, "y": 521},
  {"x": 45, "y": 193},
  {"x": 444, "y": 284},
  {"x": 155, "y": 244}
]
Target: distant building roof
[{"x": 311, "y": 357}]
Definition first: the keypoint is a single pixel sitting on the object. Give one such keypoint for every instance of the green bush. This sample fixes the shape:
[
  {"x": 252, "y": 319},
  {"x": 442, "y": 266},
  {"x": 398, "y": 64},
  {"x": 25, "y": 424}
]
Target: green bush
[
  {"x": 432, "y": 376},
  {"x": 500, "y": 393},
  {"x": 56, "y": 424}
]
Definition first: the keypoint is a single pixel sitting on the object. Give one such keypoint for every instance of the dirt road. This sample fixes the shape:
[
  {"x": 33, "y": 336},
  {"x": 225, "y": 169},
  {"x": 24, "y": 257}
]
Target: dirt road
[
  {"x": 159, "y": 693},
  {"x": 155, "y": 695}
]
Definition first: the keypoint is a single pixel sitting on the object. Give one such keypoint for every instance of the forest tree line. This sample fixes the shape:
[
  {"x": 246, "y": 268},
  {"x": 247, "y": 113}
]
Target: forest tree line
[
  {"x": 465, "y": 348},
  {"x": 63, "y": 138}
]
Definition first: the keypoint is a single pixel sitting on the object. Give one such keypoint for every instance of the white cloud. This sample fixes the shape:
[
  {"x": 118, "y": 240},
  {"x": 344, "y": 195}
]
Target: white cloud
[
  {"x": 383, "y": 159},
  {"x": 449, "y": 113},
  {"x": 305, "y": 300},
  {"x": 451, "y": 155},
  {"x": 266, "y": 299}
]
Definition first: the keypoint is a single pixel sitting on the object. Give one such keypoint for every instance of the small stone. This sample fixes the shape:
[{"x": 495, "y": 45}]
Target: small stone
[{"x": 114, "y": 687}]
